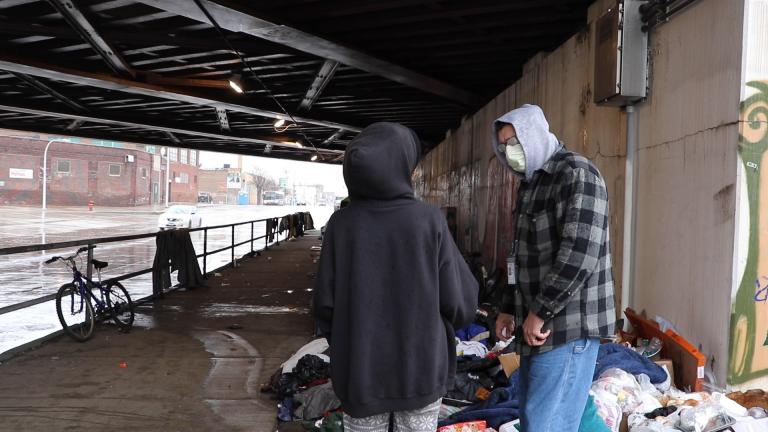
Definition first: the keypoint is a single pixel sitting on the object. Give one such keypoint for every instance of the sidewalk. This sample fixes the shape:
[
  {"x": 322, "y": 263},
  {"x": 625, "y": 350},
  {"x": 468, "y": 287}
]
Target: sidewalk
[
  {"x": 145, "y": 209},
  {"x": 195, "y": 360}
]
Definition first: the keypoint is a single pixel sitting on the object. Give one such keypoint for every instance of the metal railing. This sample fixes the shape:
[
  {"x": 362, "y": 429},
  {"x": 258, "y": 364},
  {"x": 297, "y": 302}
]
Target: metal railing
[{"x": 91, "y": 243}]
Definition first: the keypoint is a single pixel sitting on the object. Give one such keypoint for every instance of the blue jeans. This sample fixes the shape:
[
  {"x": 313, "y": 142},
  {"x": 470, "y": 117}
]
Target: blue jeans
[{"x": 554, "y": 386}]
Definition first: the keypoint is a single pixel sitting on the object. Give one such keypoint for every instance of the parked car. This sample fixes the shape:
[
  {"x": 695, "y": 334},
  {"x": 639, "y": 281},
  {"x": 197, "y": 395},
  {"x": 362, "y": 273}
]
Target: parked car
[{"x": 179, "y": 216}]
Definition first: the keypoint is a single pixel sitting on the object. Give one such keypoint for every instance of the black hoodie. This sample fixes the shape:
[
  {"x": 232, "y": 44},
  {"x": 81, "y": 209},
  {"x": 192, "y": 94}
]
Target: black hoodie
[{"x": 392, "y": 286}]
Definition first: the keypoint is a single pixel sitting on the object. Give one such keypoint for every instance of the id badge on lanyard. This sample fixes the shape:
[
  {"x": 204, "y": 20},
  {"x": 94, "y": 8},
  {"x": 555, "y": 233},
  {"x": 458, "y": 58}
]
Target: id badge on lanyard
[{"x": 511, "y": 268}]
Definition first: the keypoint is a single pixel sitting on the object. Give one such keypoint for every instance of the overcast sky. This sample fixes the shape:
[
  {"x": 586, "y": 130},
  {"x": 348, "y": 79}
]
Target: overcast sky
[{"x": 307, "y": 173}]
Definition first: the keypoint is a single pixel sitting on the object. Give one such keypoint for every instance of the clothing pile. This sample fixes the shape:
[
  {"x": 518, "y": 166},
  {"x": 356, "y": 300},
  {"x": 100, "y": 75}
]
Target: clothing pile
[
  {"x": 303, "y": 388},
  {"x": 626, "y": 386}
]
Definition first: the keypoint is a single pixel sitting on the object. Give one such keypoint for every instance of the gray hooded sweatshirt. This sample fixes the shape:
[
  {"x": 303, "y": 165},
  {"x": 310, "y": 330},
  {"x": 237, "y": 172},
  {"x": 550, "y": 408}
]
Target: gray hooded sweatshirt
[
  {"x": 539, "y": 144},
  {"x": 391, "y": 287}
]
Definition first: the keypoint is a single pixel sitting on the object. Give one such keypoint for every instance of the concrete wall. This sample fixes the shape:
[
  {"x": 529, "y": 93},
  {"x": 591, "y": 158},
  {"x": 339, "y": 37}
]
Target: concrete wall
[
  {"x": 686, "y": 165},
  {"x": 749, "y": 316}
]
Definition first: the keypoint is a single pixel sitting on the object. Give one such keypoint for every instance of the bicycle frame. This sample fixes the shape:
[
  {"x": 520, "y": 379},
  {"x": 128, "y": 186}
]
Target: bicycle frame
[{"x": 82, "y": 283}]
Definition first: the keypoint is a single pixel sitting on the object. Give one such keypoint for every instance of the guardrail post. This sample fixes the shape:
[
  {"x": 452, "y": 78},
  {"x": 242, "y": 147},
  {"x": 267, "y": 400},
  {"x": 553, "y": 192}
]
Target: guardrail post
[
  {"x": 89, "y": 266},
  {"x": 234, "y": 263},
  {"x": 205, "y": 250},
  {"x": 251, "y": 236}
]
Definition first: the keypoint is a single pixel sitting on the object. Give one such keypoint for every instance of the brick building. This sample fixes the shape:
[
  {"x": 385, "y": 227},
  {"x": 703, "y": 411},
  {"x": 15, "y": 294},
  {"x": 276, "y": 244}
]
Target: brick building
[
  {"x": 215, "y": 183},
  {"x": 107, "y": 172},
  {"x": 184, "y": 175}
]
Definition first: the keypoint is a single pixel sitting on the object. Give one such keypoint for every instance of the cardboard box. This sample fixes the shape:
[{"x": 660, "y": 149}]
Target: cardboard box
[
  {"x": 510, "y": 362},
  {"x": 670, "y": 367}
]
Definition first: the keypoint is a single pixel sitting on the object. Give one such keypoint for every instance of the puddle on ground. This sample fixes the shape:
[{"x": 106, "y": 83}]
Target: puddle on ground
[{"x": 216, "y": 310}]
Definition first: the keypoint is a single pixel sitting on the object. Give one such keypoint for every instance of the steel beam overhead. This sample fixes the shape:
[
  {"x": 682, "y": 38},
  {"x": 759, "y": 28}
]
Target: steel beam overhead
[
  {"x": 44, "y": 88},
  {"x": 323, "y": 77},
  {"x": 78, "y": 21},
  {"x": 12, "y": 64},
  {"x": 239, "y": 21}
]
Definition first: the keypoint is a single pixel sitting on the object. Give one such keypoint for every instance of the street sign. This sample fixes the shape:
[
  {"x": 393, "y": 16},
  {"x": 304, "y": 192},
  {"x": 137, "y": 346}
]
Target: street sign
[{"x": 19, "y": 173}]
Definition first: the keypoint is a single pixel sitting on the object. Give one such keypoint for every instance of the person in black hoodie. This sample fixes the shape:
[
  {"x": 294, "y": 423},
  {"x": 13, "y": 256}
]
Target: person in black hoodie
[{"x": 390, "y": 290}]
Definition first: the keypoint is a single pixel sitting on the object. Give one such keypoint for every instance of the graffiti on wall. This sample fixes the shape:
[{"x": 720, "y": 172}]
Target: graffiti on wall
[{"x": 749, "y": 313}]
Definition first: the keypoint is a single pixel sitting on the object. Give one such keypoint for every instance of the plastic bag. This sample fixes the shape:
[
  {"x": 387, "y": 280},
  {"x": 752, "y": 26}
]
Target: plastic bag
[
  {"x": 311, "y": 368},
  {"x": 729, "y": 406},
  {"x": 608, "y": 409},
  {"x": 639, "y": 423},
  {"x": 667, "y": 384},
  {"x": 623, "y": 386},
  {"x": 704, "y": 417},
  {"x": 647, "y": 386}
]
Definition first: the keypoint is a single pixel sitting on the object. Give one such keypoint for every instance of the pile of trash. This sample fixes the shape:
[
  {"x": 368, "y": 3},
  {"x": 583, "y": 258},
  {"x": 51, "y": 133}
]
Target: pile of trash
[
  {"x": 630, "y": 392},
  {"x": 303, "y": 389}
]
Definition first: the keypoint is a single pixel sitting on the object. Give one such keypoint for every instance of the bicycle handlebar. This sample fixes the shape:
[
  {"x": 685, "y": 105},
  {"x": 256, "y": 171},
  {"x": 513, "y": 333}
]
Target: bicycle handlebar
[{"x": 56, "y": 258}]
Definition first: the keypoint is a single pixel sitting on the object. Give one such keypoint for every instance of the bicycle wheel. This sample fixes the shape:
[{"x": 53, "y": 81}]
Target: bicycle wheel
[
  {"x": 120, "y": 305},
  {"x": 75, "y": 313}
]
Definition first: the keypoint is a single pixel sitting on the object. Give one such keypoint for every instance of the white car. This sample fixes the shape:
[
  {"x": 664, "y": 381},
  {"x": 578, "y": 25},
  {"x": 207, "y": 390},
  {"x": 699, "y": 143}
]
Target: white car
[{"x": 180, "y": 216}]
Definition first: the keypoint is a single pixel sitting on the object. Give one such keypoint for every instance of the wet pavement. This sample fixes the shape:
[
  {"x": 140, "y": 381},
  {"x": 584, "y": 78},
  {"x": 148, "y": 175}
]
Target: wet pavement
[
  {"x": 25, "y": 276},
  {"x": 193, "y": 362}
]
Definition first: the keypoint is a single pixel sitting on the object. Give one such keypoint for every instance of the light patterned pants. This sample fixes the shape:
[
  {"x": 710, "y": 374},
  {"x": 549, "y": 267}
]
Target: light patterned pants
[{"x": 420, "y": 420}]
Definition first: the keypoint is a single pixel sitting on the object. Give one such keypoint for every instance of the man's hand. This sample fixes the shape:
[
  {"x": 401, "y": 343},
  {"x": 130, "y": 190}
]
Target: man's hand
[
  {"x": 505, "y": 326},
  {"x": 532, "y": 330}
]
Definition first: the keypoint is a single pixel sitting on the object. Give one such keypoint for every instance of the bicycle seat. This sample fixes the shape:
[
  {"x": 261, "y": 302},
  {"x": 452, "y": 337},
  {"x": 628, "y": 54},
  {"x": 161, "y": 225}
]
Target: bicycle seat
[{"x": 99, "y": 264}]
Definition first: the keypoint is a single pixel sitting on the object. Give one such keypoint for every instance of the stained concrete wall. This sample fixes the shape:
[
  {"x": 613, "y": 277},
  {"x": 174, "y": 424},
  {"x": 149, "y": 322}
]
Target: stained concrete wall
[
  {"x": 686, "y": 165},
  {"x": 463, "y": 172}
]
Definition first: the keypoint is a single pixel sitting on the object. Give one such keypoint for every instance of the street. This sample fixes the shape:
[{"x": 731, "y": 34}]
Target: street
[{"x": 25, "y": 276}]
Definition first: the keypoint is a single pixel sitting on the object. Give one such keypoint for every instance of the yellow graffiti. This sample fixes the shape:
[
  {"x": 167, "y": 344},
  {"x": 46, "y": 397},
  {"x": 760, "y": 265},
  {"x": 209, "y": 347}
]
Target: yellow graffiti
[{"x": 739, "y": 351}]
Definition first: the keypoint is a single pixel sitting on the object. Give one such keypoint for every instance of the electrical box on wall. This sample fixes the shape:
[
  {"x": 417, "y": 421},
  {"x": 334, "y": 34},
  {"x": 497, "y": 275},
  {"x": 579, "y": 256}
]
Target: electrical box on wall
[{"x": 621, "y": 55}]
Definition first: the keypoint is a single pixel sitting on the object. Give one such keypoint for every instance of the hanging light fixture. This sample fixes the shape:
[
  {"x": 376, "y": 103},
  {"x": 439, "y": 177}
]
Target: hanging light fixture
[
  {"x": 314, "y": 157},
  {"x": 236, "y": 82},
  {"x": 279, "y": 122}
]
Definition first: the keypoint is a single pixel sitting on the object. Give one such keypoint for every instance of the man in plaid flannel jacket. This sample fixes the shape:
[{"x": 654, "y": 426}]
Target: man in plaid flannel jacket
[{"x": 560, "y": 282}]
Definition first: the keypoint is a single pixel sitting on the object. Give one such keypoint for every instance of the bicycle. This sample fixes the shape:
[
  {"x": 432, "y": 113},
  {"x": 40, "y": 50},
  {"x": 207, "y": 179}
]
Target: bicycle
[{"x": 75, "y": 301}]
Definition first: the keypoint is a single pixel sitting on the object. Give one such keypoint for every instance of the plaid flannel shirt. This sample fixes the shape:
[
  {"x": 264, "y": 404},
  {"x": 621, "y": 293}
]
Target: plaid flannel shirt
[{"x": 562, "y": 254}]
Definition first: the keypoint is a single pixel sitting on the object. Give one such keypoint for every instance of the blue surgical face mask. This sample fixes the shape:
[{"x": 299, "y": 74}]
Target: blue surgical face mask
[{"x": 514, "y": 154}]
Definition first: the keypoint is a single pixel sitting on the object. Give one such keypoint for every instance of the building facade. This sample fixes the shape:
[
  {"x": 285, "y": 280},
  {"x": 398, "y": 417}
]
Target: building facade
[{"x": 108, "y": 173}]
